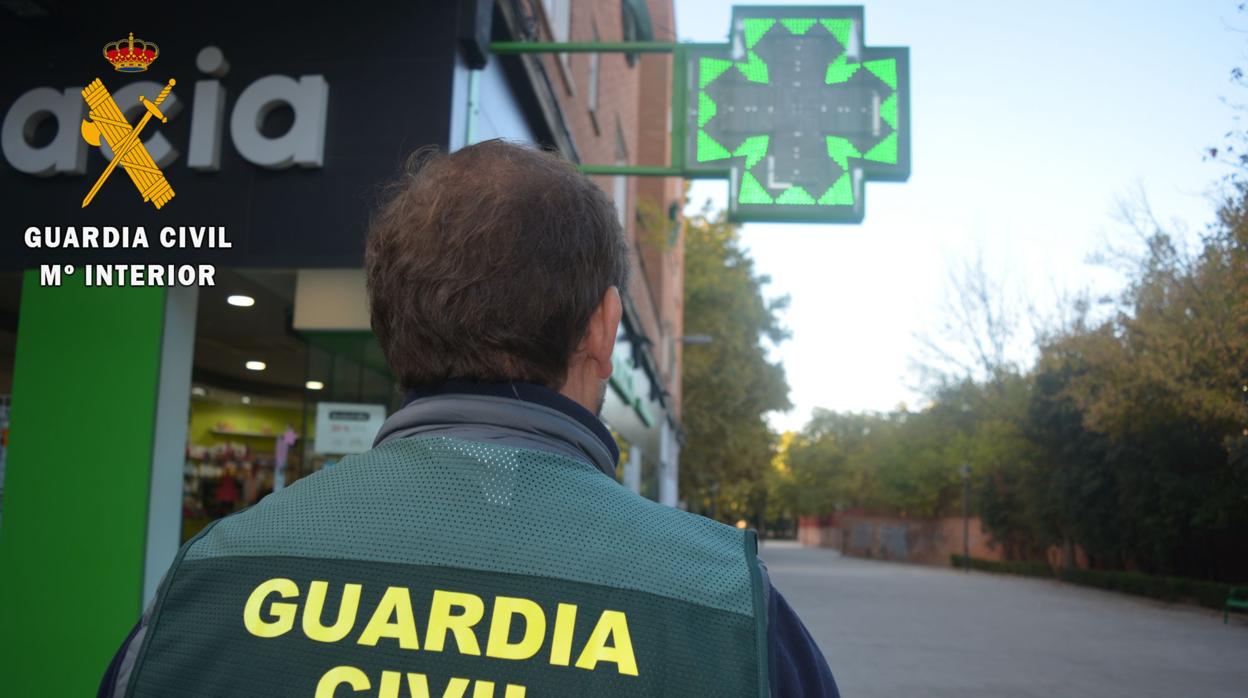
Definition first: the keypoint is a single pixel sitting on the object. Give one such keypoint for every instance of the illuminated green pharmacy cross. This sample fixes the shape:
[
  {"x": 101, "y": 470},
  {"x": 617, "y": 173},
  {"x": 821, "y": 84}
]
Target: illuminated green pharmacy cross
[{"x": 802, "y": 112}]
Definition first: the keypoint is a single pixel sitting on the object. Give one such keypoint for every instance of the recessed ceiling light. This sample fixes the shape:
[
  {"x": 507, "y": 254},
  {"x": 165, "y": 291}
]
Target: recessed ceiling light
[
  {"x": 241, "y": 301},
  {"x": 314, "y": 385},
  {"x": 246, "y": 400},
  {"x": 255, "y": 365},
  {"x": 198, "y": 391}
]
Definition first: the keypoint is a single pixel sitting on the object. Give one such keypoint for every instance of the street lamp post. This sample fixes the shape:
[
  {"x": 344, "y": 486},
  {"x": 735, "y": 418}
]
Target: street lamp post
[
  {"x": 966, "y": 516},
  {"x": 714, "y": 488}
]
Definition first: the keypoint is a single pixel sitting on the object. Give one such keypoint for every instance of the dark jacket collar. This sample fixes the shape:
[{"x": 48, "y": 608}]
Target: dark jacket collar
[{"x": 524, "y": 414}]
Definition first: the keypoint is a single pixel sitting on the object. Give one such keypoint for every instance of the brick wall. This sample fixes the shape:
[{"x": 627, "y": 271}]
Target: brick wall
[
  {"x": 926, "y": 541},
  {"x": 633, "y": 111}
]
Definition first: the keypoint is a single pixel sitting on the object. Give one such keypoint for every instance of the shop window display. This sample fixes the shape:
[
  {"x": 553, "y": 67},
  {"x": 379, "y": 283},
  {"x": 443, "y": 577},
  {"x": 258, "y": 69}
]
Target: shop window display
[
  {"x": 258, "y": 386},
  {"x": 238, "y": 453}
]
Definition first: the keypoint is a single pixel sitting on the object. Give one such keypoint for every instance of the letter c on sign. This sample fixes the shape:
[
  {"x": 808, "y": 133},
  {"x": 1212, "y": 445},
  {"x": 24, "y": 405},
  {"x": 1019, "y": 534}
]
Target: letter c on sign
[
  {"x": 339, "y": 675},
  {"x": 283, "y": 612}
]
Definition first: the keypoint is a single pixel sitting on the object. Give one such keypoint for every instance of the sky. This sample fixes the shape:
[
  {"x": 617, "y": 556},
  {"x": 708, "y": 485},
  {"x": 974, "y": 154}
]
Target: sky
[{"x": 1032, "y": 122}]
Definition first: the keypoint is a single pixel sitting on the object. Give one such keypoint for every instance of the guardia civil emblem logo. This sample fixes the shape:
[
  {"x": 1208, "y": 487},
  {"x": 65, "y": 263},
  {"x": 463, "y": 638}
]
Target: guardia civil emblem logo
[{"x": 105, "y": 123}]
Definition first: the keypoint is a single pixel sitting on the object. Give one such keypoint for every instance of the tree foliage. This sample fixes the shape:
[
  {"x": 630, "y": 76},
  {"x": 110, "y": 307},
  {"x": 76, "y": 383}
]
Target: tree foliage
[
  {"x": 1127, "y": 438},
  {"x": 1155, "y": 399},
  {"x": 901, "y": 463},
  {"x": 729, "y": 384}
]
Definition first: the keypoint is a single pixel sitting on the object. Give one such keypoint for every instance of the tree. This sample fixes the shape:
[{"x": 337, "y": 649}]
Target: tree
[
  {"x": 729, "y": 385},
  {"x": 979, "y": 330},
  {"x": 1163, "y": 382},
  {"x": 822, "y": 464},
  {"x": 900, "y": 463}
]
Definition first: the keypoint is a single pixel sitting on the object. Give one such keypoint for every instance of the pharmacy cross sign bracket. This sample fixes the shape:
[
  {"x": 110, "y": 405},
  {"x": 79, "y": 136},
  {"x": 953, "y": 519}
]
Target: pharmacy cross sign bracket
[
  {"x": 795, "y": 110},
  {"x": 798, "y": 113}
]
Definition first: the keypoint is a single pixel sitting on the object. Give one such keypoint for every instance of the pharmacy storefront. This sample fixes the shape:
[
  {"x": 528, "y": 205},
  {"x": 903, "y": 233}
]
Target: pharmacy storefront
[{"x": 184, "y": 334}]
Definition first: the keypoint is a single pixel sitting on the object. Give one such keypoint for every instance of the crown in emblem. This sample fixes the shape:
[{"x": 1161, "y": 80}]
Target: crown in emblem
[{"x": 131, "y": 55}]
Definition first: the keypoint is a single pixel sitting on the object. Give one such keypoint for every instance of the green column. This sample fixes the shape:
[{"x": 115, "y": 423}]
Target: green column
[{"x": 76, "y": 494}]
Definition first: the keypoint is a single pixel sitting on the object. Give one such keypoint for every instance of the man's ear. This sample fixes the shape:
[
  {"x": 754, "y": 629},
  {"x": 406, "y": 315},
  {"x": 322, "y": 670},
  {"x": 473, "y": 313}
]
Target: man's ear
[{"x": 604, "y": 324}]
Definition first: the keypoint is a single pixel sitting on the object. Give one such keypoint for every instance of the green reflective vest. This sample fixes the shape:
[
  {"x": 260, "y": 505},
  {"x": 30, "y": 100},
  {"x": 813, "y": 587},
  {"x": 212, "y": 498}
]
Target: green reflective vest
[{"x": 440, "y": 567}]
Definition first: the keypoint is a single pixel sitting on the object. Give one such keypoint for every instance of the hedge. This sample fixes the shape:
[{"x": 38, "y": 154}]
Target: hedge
[
  {"x": 1169, "y": 589},
  {"x": 1026, "y": 569}
]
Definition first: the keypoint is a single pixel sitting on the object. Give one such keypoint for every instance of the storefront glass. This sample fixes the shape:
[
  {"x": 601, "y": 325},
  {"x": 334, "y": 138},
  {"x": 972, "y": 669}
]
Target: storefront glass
[
  {"x": 10, "y": 301},
  {"x": 270, "y": 405}
]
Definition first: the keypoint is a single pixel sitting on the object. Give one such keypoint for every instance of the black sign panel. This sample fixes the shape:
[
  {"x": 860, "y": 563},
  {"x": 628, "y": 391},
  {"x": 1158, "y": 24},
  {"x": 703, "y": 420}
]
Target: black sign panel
[{"x": 386, "y": 69}]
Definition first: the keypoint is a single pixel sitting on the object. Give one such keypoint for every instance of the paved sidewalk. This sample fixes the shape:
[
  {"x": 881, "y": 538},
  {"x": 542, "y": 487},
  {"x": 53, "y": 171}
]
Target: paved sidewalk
[{"x": 891, "y": 629}]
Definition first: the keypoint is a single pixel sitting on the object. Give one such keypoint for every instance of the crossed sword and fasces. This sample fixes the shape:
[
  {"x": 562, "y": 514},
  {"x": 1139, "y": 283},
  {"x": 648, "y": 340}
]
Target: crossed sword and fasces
[{"x": 106, "y": 119}]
